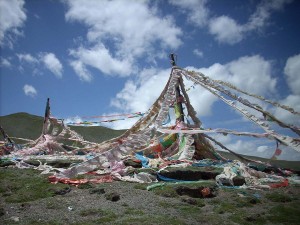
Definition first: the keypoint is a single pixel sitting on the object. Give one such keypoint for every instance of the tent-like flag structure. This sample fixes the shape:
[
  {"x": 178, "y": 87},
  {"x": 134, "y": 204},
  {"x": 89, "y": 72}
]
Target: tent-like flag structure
[{"x": 151, "y": 138}]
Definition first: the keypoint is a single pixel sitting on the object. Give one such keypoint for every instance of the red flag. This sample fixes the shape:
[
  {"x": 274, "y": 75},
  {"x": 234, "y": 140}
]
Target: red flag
[{"x": 278, "y": 151}]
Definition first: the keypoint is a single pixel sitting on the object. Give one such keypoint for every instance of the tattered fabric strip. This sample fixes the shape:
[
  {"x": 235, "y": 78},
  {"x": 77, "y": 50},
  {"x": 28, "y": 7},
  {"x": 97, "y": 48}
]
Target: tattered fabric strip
[
  {"x": 289, "y": 141},
  {"x": 169, "y": 98},
  {"x": 93, "y": 123},
  {"x": 221, "y": 131},
  {"x": 207, "y": 81},
  {"x": 290, "y": 109}
]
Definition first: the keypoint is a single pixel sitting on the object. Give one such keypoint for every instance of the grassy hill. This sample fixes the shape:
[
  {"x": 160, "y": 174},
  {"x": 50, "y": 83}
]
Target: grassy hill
[
  {"x": 22, "y": 125},
  {"x": 29, "y": 126}
]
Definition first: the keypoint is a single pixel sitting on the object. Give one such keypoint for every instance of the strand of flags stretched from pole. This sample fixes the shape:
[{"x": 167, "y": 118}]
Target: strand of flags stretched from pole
[
  {"x": 91, "y": 123},
  {"x": 121, "y": 117}
]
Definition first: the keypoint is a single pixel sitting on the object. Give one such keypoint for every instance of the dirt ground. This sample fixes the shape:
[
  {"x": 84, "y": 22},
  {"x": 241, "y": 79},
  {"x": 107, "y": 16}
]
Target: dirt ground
[{"x": 28, "y": 198}]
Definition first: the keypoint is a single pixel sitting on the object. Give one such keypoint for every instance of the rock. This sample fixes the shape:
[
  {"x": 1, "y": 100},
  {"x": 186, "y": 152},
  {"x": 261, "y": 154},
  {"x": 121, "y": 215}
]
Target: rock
[
  {"x": 238, "y": 181},
  {"x": 254, "y": 200},
  {"x": 63, "y": 191},
  {"x": 200, "y": 192},
  {"x": 191, "y": 173},
  {"x": 252, "y": 218},
  {"x": 2, "y": 212},
  {"x": 112, "y": 197},
  {"x": 133, "y": 163}
]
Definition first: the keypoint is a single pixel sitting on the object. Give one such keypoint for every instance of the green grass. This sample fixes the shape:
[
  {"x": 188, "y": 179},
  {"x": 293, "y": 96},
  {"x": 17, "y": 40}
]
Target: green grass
[
  {"x": 242, "y": 217},
  {"x": 166, "y": 191},
  {"x": 91, "y": 212},
  {"x": 278, "y": 197},
  {"x": 149, "y": 220},
  {"x": 285, "y": 214},
  {"x": 141, "y": 186},
  {"x": 22, "y": 125},
  {"x": 133, "y": 211},
  {"x": 27, "y": 186}
]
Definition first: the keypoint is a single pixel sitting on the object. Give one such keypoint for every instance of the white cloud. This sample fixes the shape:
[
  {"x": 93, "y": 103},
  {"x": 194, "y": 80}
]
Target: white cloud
[
  {"x": 29, "y": 90},
  {"x": 121, "y": 124},
  {"x": 226, "y": 30},
  {"x": 81, "y": 71},
  {"x": 5, "y": 62},
  {"x": 196, "y": 10},
  {"x": 76, "y": 119},
  {"x": 49, "y": 60},
  {"x": 28, "y": 58},
  {"x": 292, "y": 75},
  {"x": 263, "y": 12},
  {"x": 249, "y": 73},
  {"x": 52, "y": 63},
  {"x": 100, "y": 58},
  {"x": 198, "y": 52},
  {"x": 294, "y": 102},
  {"x": 12, "y": 17},
  {"x": 121, "y": 32},
  {"x": 292, "y": 72},
  {"x": 256, "y": 147},
  {"x": 262, "y": 148},
  {"x": 139, "y": 95}
]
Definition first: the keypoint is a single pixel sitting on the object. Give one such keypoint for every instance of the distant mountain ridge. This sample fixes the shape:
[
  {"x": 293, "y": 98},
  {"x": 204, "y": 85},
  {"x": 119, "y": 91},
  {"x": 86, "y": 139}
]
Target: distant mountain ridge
[{"x": 24, "y": 125}]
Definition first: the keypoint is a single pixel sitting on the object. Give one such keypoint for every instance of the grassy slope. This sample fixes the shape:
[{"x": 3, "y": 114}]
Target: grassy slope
[
  {"x": 29, "y": 126},
  {"x": 22, "y": 125}
]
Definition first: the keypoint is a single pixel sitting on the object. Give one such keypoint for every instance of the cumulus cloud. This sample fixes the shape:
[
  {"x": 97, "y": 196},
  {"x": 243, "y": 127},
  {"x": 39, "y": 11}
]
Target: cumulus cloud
[
  {"x": 196, "y": 10},
  {"x": 52, "y": 63},
  {"x": 294, "y": 102},
  {"x": 120, "y": 32},
  {"x": 263, "y": 13},
  {"x": 5, "y": 62},
  {"x": 139, "y": 95},
  {"x": 291, "y": 71},
  {"x": 28, "y": 58},
  {"x": 99, "y": 57},
  {"x": 198, "y": 52},
  {"x": 12, "y": 17},
  {"x": 249, "y": 73},
  {"x": 224, "y": 28},
  {"x": 29, "y": 90},
  {"x": 262, "y": 148},
  {"x": 48, "y": 59},
  {"x": 227, "y": 30},
  {"x": 81, "y": 70}
]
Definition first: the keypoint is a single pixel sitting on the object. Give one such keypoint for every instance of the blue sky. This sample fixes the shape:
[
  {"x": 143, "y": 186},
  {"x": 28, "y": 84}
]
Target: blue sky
[{"x": 106, "y": 57}]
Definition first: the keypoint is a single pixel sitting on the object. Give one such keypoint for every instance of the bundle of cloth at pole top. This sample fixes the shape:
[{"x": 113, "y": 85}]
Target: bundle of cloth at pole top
[{"x": 153, "y": 143}]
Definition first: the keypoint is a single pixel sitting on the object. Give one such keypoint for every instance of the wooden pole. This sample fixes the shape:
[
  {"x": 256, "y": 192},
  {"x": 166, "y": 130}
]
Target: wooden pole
[{"x": 46, "y": 117}]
